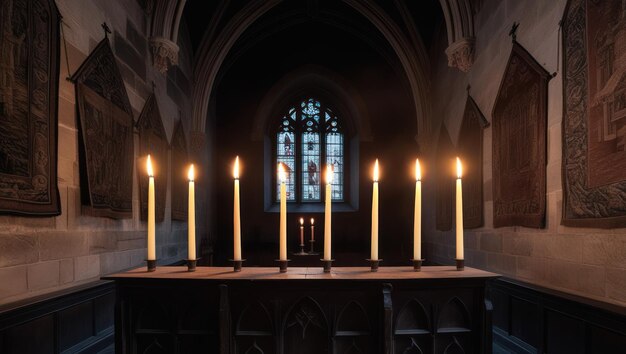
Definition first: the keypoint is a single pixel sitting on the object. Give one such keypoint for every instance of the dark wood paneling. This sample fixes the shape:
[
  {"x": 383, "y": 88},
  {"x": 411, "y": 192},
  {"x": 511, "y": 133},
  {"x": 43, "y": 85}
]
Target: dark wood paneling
[
  {"x": 532, "y": 319},
  {"x": 78, "y": 320}
]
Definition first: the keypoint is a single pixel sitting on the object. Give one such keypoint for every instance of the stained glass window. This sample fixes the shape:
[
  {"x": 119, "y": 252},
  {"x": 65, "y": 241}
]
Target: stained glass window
[{"x": 309, "y": 137}]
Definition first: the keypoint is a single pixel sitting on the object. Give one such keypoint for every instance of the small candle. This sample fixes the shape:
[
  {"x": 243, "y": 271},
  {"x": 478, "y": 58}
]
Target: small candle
[
  {"x": 328, "y": 214},
  {"x": 191, "y": 228},
  {"x": 374, "y": 252},
  {"x": 282, "y": 176},
  {"x": 151, "y": 229},
  {"x": 236, "y": 215},
  {"x": 459, "y": 210},
  {"x": 312, "y": 229},
  {"x": 301, "y": 231},
  {"x": 417, "y": 221}
]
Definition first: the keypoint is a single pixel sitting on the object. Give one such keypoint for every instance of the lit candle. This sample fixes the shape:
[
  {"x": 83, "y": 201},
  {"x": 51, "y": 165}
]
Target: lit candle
[
  {"x": 374, "y": 255},
  {"x": 328, "y": 214},
  {"x": 151, "y": 229},
  {"x": 417, "y": 221},
  {"x": 191, "y": 228},
  {"x": 236, "y": 215},
  {"x": 459, "y": 210},
  {"x": 312, "y": 229},
  {"x": 282, "y": 176},
  {"x": 301, "y": 231}
]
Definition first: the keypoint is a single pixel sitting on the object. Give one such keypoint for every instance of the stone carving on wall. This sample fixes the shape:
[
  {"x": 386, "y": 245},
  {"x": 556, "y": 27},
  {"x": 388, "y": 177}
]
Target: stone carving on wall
[
  {"x": 445, "y": 181},
  {"x": 461, "y": 54},
  {"x": 105, "y": 127},
  {"x": 153, "y": 141},
  {"x": 594, "y": 117},
  {"x": 164, "y": 53},
  {"x": 29, "y": 72},
  {"x": 180, "y": 165},
  {"x": 519, "y": 143},
  {"x": 471, "y": 153}
]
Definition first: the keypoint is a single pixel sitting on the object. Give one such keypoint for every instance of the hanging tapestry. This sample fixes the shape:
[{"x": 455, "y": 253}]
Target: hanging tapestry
[
  {"x": 471, "y": 153},
  {"x": 180, "y": 165},
  {"x": 105, "y": 144},
  {"x": 445, "y": 181},
  {"x": 519, "y": 143},
  {"x": 153, "y": 141},
  {"x": 594, "y": 114},
  {"x": 29, "y": 73}
]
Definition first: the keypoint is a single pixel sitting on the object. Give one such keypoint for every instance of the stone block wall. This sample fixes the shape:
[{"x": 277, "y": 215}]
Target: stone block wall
[
  {"x": 587, "y": 262},
  {"x": 41, "y": 255}
]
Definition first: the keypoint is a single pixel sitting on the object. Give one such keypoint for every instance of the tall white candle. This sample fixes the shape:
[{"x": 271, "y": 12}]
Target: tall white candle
[
  {"x": 282, "y": 176},
  {"x": 151, "y": 227},
  {"x": 236, "y": 215},
  {"x": 459, "y": 210},
  {"x": 301, "y": 231},
  {"x": 328, "y": 214},
  {"x": 374, "y": 253},
  {"x": 191, "y": 227},
  {"x": 417, "y": 221}
]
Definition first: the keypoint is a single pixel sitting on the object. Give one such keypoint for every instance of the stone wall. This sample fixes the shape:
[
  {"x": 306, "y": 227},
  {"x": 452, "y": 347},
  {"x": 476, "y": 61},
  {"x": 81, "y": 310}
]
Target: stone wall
[
  {"x": 40, "y": 255},
  {"x": 587, "y": 262}
]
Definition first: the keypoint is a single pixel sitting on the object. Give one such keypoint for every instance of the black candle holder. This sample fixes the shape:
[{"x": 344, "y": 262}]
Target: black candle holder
[
  {"x": 312, "y": 251},
  {"x": 151, "y": 263},
  {"x": 327, "y": 263},
  {"x": 460, "y": 264},
  {"x": 191, "y": 265},
  {"x": 374, "y": 264},
  {"x": 237, "y": 264},
  {"x": 282, "y": 265},
  {"x": 417, "y": 264}
]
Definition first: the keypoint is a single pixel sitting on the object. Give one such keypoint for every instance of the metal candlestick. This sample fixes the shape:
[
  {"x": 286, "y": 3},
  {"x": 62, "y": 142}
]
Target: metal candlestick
[
  {"x": 460, "y": 264},
  {"x": 312, "y": 251},
  {"x": 282, "y": 265},
  {"x": 151, "y": 263},
  {"x": 191, "y": 265},
  {"x": 237, "y": 264},
  {"x": 374, "y": 264},
  {"x": 327, "y": 264},
  {"x": 417, "y": 264},
  {"x": 302, "y": 252}
]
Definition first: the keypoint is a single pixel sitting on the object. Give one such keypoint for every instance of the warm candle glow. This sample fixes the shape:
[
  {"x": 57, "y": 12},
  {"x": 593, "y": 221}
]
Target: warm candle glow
[
  {"x": 236, "y": 168},
  {"x": 190, "y": 173},
  {"x": 376, "y": 171},
  {"x": 312, "y": 221},
  {"x": 150, "y": 171},
  {"x": 418, "y": 170},
  {"x": 282, "y": 175},
  {"x": 301, "y": 221},
  {"x": 329, "y": 174},
  {"x": 459, "y": 168}
]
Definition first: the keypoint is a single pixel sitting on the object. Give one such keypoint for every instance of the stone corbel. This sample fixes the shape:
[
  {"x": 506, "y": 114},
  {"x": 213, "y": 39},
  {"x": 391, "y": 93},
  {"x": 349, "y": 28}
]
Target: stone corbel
[
  {"x": 164, "y": 53},
  {"x": 461, "y": 54}
]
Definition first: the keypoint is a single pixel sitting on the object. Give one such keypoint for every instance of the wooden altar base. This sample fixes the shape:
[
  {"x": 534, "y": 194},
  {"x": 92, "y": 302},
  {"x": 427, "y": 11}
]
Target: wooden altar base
[{"x": 259, "y": 310}]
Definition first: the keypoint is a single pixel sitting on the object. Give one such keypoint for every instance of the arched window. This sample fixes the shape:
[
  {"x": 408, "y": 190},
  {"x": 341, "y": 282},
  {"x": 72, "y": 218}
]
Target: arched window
[{"x": 309, "y": 137}]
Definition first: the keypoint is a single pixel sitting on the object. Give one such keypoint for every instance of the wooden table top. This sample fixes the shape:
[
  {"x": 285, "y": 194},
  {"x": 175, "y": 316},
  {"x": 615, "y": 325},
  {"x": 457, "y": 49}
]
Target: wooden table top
[{"x": 299, "y": 273}]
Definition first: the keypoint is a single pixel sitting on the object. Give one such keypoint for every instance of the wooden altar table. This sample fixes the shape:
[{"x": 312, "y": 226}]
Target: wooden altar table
[{"x": 259, "y": 310}]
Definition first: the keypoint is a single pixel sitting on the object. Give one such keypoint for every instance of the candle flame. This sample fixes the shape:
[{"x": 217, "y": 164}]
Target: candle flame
[
  {"x": 312, "y": 221},
  {"x": 301, "y": 221},
  {"x": 418, "y": 170},
  {"x": 149, "y": 164},
  {"x": 190, "y": 173},
  {"x": 282, "y": 175},
  {"x": 329, "y": 174},
  {"x": 459, "y": 168},
  {"x": 236, "y": 168},
  {"x": 376, "y": 171}
]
